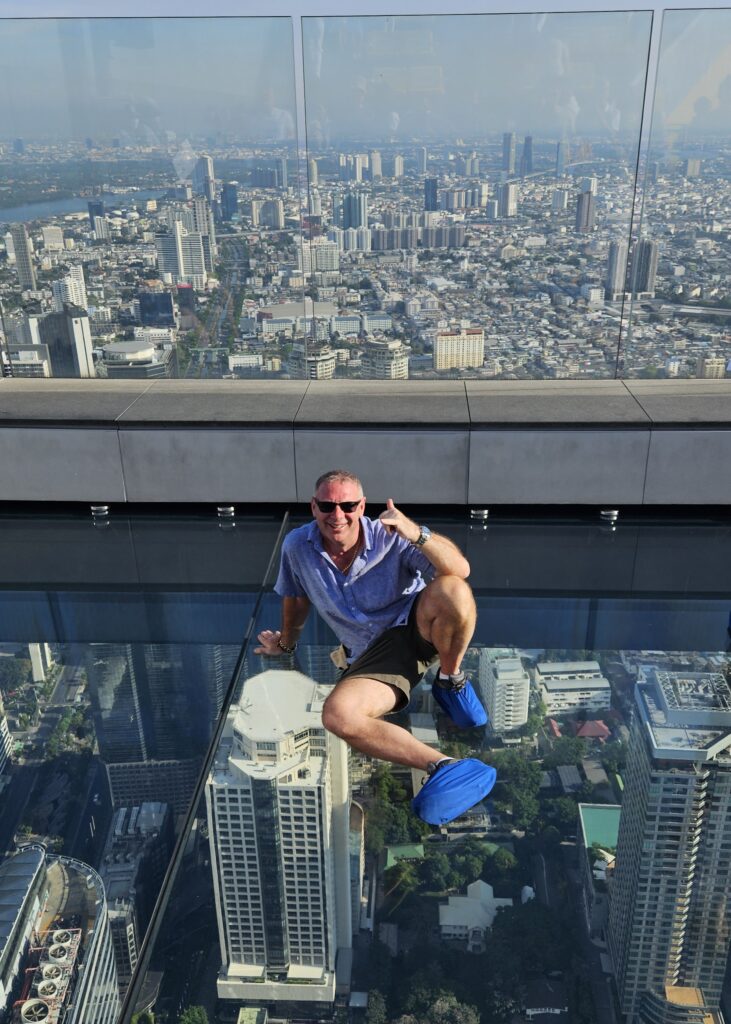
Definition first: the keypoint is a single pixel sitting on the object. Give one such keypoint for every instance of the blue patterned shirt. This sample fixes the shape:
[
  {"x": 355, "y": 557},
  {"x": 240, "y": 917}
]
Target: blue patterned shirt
[{"x": 375, "y": 594}]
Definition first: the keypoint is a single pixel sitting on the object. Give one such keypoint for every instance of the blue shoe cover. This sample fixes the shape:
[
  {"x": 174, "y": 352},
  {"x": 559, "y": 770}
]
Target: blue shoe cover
[
  {"x": 452, "y": 790},
  {"x": 462, "y": 706}
]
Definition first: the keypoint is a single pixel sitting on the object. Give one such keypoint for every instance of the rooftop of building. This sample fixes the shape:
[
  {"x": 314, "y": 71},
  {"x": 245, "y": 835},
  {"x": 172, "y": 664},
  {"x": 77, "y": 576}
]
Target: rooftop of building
[
  {"x": 679, "y": 737},
  {"x": 556, "y": 668},
  {"x": 17, "y": 875},
  {"x": 277, "y": 703}
]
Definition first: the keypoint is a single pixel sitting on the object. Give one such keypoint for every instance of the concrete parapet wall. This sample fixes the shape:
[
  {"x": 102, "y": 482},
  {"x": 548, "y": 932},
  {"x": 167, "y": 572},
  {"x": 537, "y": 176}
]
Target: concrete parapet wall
[{"x": 436, "y": 442}]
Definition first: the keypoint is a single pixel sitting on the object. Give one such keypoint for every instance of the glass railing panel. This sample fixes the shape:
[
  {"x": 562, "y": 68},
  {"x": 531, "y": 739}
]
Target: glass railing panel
[
  {"x": 150, "y": 212},
  {"x": 678, "y": 278},
  {"x": 464, "y": 220},
  {"x": 285, "y": 905},
  {"x": 118, "y": 641}
]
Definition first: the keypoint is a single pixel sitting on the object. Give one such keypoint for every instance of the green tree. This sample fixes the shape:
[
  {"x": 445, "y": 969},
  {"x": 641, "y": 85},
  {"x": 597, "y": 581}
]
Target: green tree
[
  {"x": 434, "y": 871},
  {"x": 563, "y": 812},
  {"x": 448, "y": 1010},
  {"x": 376, "y": 1012},
  {"x": 193, "y": 1015},
  {"x": 145, "y": 1017},
  {"x": 566, "y": 750},
  {"x": 614, "y": 756}
]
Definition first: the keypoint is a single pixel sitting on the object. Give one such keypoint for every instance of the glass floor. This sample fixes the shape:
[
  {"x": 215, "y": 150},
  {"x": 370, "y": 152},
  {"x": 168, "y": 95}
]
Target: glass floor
[{"x": 131, "y": 695}]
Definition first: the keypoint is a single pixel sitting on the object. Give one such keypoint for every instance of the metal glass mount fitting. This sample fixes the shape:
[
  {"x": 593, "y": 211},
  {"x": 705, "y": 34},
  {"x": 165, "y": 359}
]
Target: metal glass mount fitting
[
  {"x": 226, "y": 511},
  {"x": 609, "y": 515},
  {"x": 99, "y": 511},
  {"x": 479, "y": 514}
]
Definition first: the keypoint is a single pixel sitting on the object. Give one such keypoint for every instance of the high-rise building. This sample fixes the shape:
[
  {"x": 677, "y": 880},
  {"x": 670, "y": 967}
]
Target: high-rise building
[
  {"x": 526, "y": 158},
  {"x": 70, "y": 289},
  {"x": 508, "y": 199},
  {"x": 562, "y": 158},
  {"x": 52, "y": 238},
  {"x": 398, "y": 166},
  {"x": 102, "y": 232},
  {"x": 509, "y": 152},
  {"x": 711, "y": 367},
  {"x": 67, "y": 336},
  {"x": 354, "y": 210},
  {"x": 137, "y": 851},
  {"x": 616, "y": 270},
  {"x": 309, "y": 363},
  {"x": 431, "y": 197},
  {"x": 505, "y": 691},
  {"x": 6, "y": 743},
  {"x": 386, "y": 359},
  {"x": 559, "y": 200},
  {"x": 669, "y": 923},
  {"x": 313, "y": 173},
  {"x": 375, "y": 164},
  {"x": 23, "y": 258},
  {"x": 204, "y": 226},
  {"x": 229, "y": 200},
  {"x": 156, "y": 308},
  {"x": 423, "y": 160},
  {"x": 153, "y": 718},
  {"x": 180, "y": 254},
  {"x": 644, "y": 267},
  {"x": 585, "y": 212},
  {"x": 96, "y": 208},
  {"x": 59, "y": 962},
  {"x": 692, "y": 168},
  {"x": 459, "y": 349},
  {"x": 19, "y": 146},
  {"x": 203, "y": 177},
  {"x": 271, "y": 214},
  {"x": 278, "y": 818}
]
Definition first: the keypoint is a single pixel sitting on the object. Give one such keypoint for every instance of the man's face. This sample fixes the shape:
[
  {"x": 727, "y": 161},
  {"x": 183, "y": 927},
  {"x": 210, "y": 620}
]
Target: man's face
[{"x": 339, "y": 527}]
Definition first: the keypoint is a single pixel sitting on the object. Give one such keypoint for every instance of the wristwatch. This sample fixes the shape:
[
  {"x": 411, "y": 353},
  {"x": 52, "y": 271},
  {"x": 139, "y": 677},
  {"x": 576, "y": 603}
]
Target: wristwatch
[{"x": 423, "y": 537}]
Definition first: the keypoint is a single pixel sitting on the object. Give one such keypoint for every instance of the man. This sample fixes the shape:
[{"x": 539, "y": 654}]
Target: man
[{"x": 396, "y": 595}]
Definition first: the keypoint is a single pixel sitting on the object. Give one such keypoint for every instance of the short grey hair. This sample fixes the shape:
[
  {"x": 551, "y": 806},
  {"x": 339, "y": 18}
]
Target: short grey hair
[{"x": 339, "y": 476}]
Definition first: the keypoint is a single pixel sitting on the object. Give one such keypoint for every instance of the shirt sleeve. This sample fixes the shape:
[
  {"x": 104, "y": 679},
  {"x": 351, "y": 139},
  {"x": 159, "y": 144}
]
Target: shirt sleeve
[
  {"x": 416, "y": 560},
  {"x": 288, "y": 583}
]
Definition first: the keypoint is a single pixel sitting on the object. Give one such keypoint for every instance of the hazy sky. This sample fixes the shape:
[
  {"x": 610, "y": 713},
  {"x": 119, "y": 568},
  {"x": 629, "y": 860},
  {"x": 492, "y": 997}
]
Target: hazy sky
[
  {"x": 471, "y": 74},
  {"x": 146, "y": 76},
  {"x": 382, "y": 78}
]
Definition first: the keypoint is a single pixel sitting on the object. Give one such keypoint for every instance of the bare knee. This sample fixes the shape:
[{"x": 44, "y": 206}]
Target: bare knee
[
  {"x": 447, "y": 595},
  {"x": 338, "y": 718}
]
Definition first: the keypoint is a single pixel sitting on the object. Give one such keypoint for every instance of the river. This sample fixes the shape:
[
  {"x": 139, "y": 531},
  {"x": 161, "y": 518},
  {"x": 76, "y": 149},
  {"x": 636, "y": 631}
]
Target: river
[{"x": 75, "y": 204}]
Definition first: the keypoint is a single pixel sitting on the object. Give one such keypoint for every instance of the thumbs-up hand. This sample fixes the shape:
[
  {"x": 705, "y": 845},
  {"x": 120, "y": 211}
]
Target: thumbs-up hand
[{"x": 396, "y": 522}]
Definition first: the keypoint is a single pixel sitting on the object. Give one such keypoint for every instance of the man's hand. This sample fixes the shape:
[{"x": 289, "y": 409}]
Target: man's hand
[
  {"x": 397, "y": 522},
  {"x": 269, "y": 640}
]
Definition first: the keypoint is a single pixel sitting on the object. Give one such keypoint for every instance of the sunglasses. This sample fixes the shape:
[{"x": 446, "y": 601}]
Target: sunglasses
[{"x": 330, "y": 506}]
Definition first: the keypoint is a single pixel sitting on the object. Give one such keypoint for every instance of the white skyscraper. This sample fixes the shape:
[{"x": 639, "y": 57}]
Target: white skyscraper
[
  {"x": 203, "y": 177},
  {"x": 278, "y": 817},
  {"x": 181, "y": 255},
  {"x": 52, "y": 239},
  {"x": 505, "y": 691},
  {"x": 616, "y": 270},
  {"x": 669, "y": 921},
  {"x": 459, "y": 348},
  {"x": 71, "y": 288}
]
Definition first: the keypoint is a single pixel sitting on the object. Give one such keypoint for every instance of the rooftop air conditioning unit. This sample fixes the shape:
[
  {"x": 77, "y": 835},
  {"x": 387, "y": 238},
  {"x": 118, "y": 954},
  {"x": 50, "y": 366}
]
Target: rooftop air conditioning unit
[
  {"x": 62, "y": 936},
  {"x": 48, "y": 989},
  {"x": 58, "y": 952},
  {"x": 34, "y": 1010},
  {"x": 51, "y": 971}
]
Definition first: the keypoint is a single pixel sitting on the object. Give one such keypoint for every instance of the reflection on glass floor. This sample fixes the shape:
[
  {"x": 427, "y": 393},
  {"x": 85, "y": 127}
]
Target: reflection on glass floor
[{"x": 301, "y": 882}]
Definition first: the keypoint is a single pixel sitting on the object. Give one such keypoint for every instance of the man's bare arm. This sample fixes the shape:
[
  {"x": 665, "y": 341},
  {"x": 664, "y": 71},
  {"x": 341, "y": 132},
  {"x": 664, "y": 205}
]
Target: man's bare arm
[
  {"x": 294, "y": 614},
  {"x": 443, "y": 553}
]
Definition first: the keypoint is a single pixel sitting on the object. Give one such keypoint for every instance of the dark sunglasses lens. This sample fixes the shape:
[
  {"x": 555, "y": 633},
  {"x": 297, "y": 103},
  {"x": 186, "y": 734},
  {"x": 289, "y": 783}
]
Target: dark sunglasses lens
[{"x": 330, "y": 506}]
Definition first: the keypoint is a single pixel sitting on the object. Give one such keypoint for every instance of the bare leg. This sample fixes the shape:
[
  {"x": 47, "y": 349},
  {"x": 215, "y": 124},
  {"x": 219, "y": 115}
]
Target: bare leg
[
  {"x": 353, "y": 711},
  {"x": 446, "y": 616}
]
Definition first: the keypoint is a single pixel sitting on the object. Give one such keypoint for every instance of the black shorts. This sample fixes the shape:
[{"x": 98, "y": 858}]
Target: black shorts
[{"x": 399, "y": 656}]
